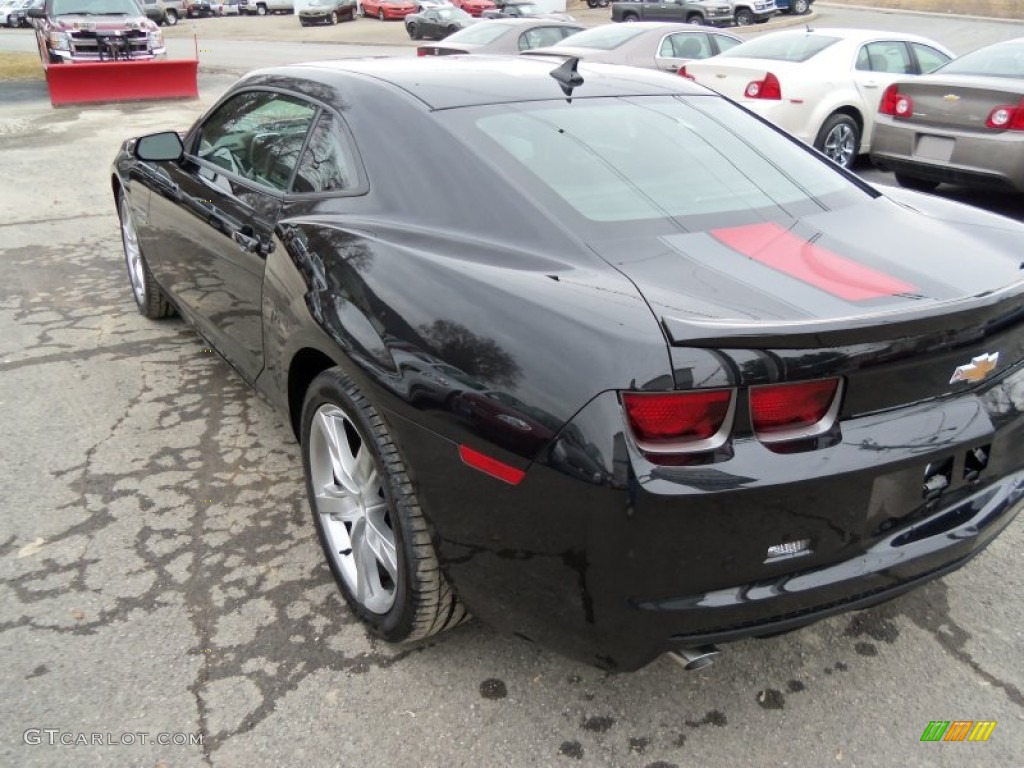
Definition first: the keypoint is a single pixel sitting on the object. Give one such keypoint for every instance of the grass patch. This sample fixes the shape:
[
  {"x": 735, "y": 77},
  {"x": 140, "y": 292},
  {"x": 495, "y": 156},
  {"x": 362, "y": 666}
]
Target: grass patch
[{"x": 20, "y": 66}]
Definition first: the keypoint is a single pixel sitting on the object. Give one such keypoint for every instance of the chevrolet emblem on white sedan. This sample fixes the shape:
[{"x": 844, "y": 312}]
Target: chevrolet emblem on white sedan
[{"x": 976, "y": 370}]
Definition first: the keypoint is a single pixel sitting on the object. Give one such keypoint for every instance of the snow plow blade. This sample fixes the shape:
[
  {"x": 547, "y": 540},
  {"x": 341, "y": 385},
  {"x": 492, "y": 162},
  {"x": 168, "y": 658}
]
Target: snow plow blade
[{"x": 122, "y": 81}]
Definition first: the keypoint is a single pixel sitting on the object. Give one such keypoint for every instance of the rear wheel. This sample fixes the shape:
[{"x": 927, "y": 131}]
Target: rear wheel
[
  {"x": 261, "y": 10},
  {"x": 414, "y": 31},
  {"x": 149, "y": 298},
  {"x": 629, "y": 18},
  {"x": 799, "y": 7},
  {"x": 694, "y": 18},
  {"x": 912, "y": 182},
  {"x": 839, "y": 139},
  {"x": 172, "y": 18},
  {"x": 334, "y": 17},
  {"x": 744, "y": 17},
  {"x": 368, "y": 518}
]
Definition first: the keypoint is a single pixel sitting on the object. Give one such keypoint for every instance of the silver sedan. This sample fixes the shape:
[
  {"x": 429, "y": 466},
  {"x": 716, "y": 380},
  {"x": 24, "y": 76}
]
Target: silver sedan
[
  {"x": 501, "y": 36},
  {"x": 962, "y": 124},
  {"x": 648, "y": 44}
]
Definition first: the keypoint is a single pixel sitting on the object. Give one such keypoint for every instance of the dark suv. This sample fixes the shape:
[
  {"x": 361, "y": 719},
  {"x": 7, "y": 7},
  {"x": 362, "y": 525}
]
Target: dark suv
[{"x": 716, "y": 13}]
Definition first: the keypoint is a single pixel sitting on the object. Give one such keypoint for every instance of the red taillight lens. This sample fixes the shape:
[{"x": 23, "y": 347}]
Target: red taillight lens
[
  {"x": 788, "y": 411},
  {"x": 677, "y": 418},
  {"x": 895, "y": 103},
  {"x": 420, "y": 52},
  {"x": 683, "y": 73},
  {"x": 769, "y": 88},
  {"x": 1007, "y": 117}
]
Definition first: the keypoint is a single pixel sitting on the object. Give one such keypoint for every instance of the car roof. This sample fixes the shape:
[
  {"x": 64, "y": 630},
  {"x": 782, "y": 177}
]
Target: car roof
[
  {"x": 519, "y": 22},
  {"x": 446, "y": 82}
]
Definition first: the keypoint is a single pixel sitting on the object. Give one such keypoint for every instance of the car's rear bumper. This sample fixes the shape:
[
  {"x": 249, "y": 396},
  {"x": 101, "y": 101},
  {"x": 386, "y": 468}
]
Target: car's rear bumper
[
  {"x": 990, "y": 160},
  {"x": 607, "y": 558}
]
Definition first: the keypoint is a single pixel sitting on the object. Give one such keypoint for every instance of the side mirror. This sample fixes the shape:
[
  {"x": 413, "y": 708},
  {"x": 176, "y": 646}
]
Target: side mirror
[
  {"x": 35, "y": 13},
  {"x": 159, "y": 147}
]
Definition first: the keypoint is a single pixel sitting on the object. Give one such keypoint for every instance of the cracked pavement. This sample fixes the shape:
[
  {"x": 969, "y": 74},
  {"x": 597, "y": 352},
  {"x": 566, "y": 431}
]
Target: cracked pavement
[{"x": 159, "y": 571}]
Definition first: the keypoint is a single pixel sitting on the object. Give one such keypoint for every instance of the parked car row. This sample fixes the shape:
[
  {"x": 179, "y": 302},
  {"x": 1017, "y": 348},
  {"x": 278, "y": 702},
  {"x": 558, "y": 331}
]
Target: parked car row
[{"x": 716, "y": 13}]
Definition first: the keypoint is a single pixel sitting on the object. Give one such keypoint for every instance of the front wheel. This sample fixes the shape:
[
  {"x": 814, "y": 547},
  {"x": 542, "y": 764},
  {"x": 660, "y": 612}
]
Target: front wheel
[
  {"x": 367, "y": 516},
  {"x": 799, "y": 7},
  {"x": 414, "y": 31},
  {"x": 839, "y": 139},
  {"x": 261, "y": 10},
  {"x": 744, "y": 17},
  {"x": 380, "y": 14},
  {"x": 695, "y": 18},
  {"x": 171, "y": 19},
  {"x": 912, "y": 182},
  {"x": 629, "y": 18},
  {"x": 149, "y": 298}
]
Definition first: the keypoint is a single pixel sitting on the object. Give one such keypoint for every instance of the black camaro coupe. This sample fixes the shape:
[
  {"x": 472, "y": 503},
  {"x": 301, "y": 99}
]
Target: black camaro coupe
[{"x": 594, "y": 354}]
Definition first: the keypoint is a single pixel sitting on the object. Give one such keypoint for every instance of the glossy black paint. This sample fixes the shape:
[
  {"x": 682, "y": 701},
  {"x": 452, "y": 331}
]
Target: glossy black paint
[{"x": 470, "y": 314}]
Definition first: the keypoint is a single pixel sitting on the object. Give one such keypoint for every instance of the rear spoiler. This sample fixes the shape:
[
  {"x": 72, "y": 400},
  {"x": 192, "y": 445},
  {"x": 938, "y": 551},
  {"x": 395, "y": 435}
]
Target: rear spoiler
[{"x": 977, "y": 316}]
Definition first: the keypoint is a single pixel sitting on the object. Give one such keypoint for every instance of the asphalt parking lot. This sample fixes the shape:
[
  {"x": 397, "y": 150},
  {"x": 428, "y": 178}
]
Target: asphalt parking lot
[{"x": 160, "y": 577}]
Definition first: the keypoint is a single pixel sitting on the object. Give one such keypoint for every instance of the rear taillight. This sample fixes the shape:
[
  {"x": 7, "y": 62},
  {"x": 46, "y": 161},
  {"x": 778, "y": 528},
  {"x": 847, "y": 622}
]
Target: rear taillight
[
  {"x": 667, "y": 422},
  {"x": 896, "y": 104},
  {"x": 683, "y": 73},
  {"x": 421, "y": 52},
  {"x": 768, "y": 88},
  {"x": 793, "y": 411},
  {"x": 1007, "y": 117}
]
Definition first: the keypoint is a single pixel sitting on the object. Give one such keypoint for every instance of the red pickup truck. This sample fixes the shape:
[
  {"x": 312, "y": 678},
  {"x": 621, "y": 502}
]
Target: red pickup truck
[{"x": 95, "y": 30}]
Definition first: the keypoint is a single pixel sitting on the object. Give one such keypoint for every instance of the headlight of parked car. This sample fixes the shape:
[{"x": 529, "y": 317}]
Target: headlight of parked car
[{"x": 60, "y": 41}]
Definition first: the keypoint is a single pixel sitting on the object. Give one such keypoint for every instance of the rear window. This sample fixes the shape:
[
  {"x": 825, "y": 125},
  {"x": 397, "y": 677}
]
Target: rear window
[
  {"x": 658, "y": 157},
  {"x": 793, "y": 46},
  {"x": 478, "y": 34},
  {"x": 603, "y": 38},
  {"x": 1005, "y": 60}
]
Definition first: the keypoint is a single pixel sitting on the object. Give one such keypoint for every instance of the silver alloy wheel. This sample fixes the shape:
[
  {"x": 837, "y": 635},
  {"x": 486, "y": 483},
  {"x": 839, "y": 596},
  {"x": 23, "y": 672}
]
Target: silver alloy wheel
[
  {"x": 132, "y": 252},
  {"x": 838, "y": 145},
  {"x": 800, "y": 7},
  {"x": 349, "y": 499}
]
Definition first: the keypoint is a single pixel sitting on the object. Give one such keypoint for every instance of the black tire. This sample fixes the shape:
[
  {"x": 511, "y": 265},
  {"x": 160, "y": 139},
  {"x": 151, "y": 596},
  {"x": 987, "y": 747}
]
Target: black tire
[
  {"x": 799, "y": 7},
  {"x": 912, "y": 182},
  {"x": 171, "y": 18},
  {"x": 629, "y": 18},
  {"x": 149, "y": 297},
  {"x": 695, "y": 18},
  {"x": 261, "y": 10},
  {"x": 602, "y": 3},
  {"x": 423, "y": 602},
  {"x": 839, "y": 139},
  {"x": 414, "y": 31},
  {"x": 334, "y": 18},
  {"x": 744, "y": 17},
  {"x": 452, "y": 30},
  {"x": 380, "y": 13}
]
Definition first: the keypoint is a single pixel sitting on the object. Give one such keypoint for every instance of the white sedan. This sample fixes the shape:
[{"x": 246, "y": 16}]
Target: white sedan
[{"x": 821, "y": 85}]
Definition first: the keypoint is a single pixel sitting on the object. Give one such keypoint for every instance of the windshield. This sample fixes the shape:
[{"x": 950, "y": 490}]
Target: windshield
[
  {"x": 478, "y": 34},
  {"x": 447, "y": 14},
  {"x": 788, "y": 46},
  {"x": 96, "y": 8},
  {"x": 603, "y": 38},
  {"x": 525, "y": 9},
  {"x": 1002, "y": 60},
  {"x": 690, "y": 160}
]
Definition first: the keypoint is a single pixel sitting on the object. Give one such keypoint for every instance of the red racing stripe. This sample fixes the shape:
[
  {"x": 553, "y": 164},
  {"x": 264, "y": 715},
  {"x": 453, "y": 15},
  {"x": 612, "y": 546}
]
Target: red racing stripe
[{"x": 780, "y": 249}]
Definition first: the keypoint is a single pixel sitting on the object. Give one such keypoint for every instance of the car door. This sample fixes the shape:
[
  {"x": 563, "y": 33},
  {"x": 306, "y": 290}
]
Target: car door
[
  {"x": 878, "y": 65},
  {"x": 678, "y": 48},
  {"x": 212, "y": 219}
]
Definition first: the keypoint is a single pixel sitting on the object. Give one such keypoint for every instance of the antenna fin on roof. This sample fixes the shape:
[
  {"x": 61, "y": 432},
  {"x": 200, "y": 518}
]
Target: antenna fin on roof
[{"x": 567, "y": 76}]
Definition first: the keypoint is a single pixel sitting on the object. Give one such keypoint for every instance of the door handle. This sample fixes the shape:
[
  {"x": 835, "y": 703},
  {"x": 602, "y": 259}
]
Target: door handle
[
  {"x": 246, "y": 242},
  {"x": 871, "y": 84}
]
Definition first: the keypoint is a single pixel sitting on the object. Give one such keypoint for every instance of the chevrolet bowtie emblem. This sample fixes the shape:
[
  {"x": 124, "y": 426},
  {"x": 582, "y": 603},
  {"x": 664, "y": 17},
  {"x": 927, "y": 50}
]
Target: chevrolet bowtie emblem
[
  {"x": 976, "y": 370},
  {"x": 951, "y": 97}
]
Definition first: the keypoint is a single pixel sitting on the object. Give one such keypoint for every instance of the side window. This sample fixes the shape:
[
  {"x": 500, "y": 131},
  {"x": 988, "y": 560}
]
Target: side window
[
  {"x": 539, "y": 37},
  {"x": 725, "y": 43},
  {"x": 257, "y": 135},
  {"x": 929, "y": 58},
  {"x": 328, "y": 164},
  {"x": 887, "y": 57},
  {"x": 687, "y": 45}
]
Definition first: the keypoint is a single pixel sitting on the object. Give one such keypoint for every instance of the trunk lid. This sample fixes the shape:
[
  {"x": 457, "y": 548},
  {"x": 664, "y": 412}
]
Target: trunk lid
[
  {"x": 896, "y": 307},
  {"x": 730, "y": 77},
  {"x": 959, "y": 102}
]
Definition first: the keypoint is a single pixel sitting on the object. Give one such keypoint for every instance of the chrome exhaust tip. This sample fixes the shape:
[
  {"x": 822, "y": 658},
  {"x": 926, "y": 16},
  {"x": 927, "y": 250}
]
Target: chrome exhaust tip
[{"x": 691, "y": 659}]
